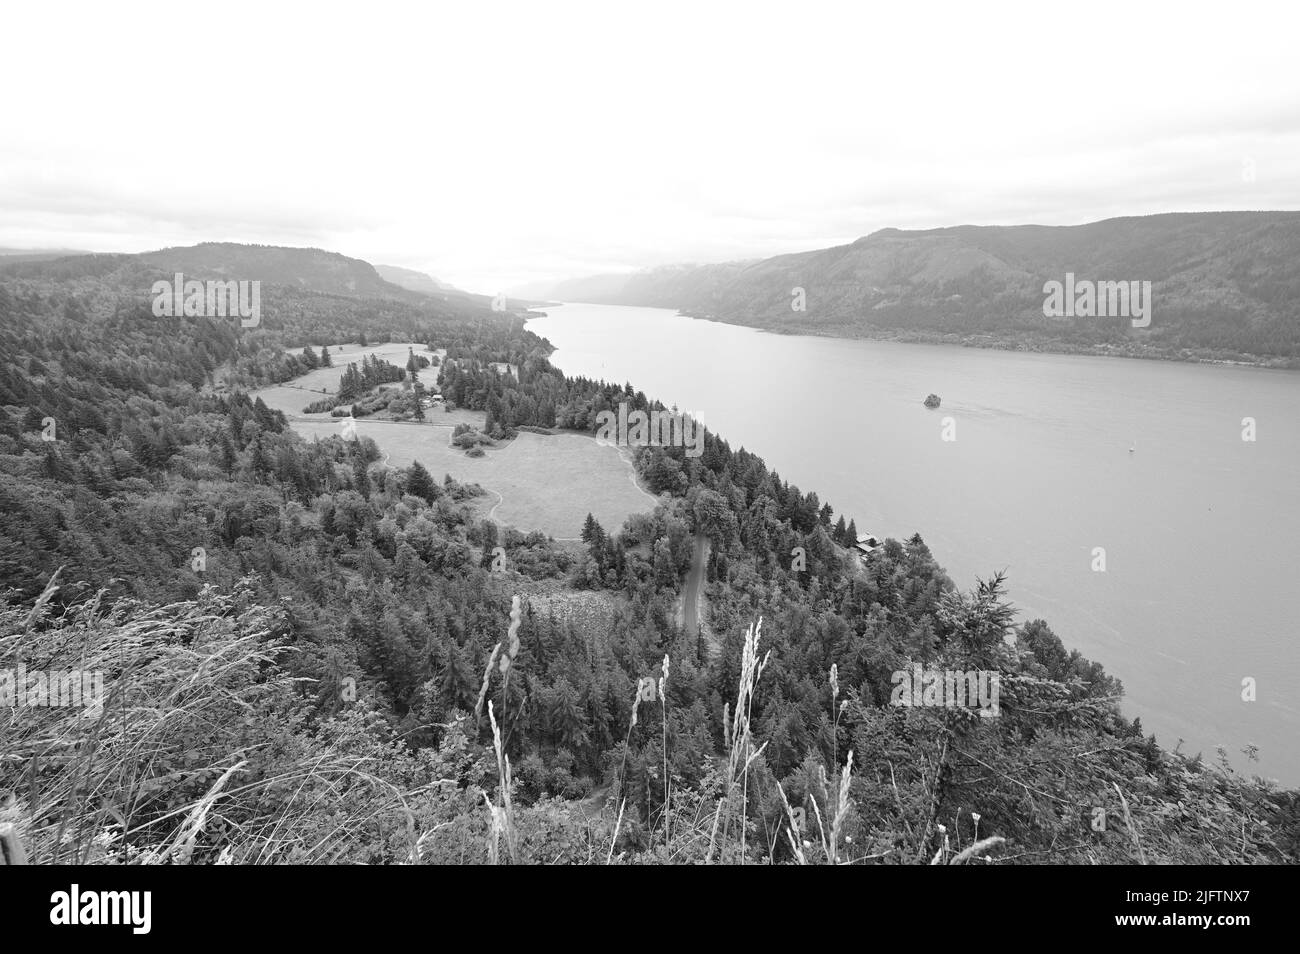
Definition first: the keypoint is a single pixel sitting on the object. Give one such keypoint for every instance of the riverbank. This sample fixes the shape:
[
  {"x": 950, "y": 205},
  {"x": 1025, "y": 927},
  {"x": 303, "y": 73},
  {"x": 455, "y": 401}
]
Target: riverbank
[
  {"x": 1037, "y": 476},
  {"x": 1006, "y": 342}
]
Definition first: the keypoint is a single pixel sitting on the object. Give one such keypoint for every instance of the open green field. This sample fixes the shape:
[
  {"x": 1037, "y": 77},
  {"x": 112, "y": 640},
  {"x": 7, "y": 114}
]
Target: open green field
[
  {"x": 292, "y": 396},
  {"x": 536, "y": 482}
]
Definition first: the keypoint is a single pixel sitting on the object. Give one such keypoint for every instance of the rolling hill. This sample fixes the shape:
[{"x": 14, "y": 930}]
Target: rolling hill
[
  {"x": 412, "y": 280},
  {"x": 1225, "y": 286},
  {"x": 10, "y": 255},
  {"x": 306, "y": 268},
  {"x": 299, "y": 285}
]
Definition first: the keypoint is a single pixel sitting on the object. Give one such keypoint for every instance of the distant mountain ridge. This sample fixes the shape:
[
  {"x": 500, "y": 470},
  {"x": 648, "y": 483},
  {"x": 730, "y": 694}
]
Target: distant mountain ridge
[
  {"x": 1225, "y": 285},
  {"x": 305, "y": 268},
  {"x": 9, "y": 255},
  {"x": 296, "y": 282},
  {"x": 412, "y": 280}
]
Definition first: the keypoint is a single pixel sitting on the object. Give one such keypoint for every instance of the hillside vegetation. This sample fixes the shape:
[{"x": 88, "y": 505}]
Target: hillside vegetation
[
  {"x": 1225, "y": 286},
  {"x": 312, "y": 268},
  {"x": 309, "y": 656},
  {"x": 412, "y": 280}
]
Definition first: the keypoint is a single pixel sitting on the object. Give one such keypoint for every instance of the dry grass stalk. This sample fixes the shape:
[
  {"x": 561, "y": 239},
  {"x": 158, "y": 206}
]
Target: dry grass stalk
[
  {"x": 618, "y": 824},
  {"x": 1128, "y": 821},
  {"x": 180, "y": 683},
  {"x": 976, "y": 849},
  {"x": 487, "y": 681},
  {"x": 503, "y": 821},
  {"x": 663, "y": 702},
  {"x": 741, "y": 753},
  {"x": 796, "y": 844}
]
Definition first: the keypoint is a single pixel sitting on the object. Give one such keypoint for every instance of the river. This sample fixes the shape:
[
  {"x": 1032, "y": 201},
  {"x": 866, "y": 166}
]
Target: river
[{"x": 1054, "y": 456}]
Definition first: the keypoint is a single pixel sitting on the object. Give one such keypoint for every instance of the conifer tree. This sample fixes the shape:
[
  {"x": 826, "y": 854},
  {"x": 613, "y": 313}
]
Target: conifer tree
[{"x": 419, "y": 483}]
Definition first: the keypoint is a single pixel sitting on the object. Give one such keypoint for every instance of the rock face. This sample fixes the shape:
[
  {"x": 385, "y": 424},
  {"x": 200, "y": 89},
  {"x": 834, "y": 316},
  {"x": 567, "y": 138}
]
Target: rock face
[{"x": 932, "y": 401}]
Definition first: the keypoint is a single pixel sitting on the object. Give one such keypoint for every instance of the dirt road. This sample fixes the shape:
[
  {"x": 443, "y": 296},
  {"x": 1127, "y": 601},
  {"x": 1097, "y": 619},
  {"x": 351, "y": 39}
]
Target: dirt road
[{"x": 693, "y": 591}]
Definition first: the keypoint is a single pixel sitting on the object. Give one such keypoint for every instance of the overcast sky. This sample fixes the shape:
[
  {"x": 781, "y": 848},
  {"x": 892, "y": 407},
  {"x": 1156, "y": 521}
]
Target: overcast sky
[{"x": 492, "y": 145}]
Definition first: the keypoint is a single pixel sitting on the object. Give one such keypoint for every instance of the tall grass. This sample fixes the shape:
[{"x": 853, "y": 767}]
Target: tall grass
[
  {"x": 663, "y": 704},
  {"x": 200, "y": 751},
  {"x": 501, "y": 813},
  {"x": 741, "y": 752}
]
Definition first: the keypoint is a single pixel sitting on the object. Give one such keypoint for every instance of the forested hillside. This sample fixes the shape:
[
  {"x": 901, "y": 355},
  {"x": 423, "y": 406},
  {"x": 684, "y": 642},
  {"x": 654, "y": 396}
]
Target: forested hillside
[
  {"x": 310, "y": 656},
  {"x": 413, "y": 280},
  {"x": 309, "y": 268},
  {"x": 1224, "y": 286}
]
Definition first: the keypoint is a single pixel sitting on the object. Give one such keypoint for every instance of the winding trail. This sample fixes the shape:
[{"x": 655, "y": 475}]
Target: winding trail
[{"x": 693, "y": 591}]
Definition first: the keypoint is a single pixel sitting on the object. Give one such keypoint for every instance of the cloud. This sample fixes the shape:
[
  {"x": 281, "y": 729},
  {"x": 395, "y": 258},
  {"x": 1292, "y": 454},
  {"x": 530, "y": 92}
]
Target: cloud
[{"x": 494, "y": 145}]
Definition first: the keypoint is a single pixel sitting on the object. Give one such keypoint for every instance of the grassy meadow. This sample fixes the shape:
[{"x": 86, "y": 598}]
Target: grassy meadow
[{"x": 534, "y": 482}]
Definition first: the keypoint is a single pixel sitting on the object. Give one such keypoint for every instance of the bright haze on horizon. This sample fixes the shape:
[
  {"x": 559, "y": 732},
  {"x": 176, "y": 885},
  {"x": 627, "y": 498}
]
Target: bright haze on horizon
[{"x": 496, "y": 145}]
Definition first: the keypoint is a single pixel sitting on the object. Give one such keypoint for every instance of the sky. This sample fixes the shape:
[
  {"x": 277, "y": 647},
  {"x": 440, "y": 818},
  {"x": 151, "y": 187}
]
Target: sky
[{"x": 493, "y": 145}]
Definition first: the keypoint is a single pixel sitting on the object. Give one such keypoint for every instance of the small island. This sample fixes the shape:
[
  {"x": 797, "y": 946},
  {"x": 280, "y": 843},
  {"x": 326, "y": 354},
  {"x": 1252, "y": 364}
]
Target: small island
[{"x": 932, "y": 401}]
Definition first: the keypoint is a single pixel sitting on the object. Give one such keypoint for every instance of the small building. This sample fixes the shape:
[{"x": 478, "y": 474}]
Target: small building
[{"x": 868, "y": 543}]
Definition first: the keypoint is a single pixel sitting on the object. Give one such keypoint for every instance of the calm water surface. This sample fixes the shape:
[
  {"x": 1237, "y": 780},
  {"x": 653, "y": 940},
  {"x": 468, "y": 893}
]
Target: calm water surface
[{"x": 1201, "y": 529}]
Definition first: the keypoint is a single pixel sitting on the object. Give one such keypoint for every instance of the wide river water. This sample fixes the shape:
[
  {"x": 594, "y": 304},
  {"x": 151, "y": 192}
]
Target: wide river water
[{"x": 1054, "y": 456}]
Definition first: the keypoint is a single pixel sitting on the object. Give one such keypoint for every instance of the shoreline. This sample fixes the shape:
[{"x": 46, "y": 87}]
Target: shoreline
[
  {"x": 995, "y": 343},
  {"x": 1237, "y": 359},
  {"x": 1070, "y": 614}
]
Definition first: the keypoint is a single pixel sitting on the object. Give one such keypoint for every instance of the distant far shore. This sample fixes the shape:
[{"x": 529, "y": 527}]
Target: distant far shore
[{"x": 1045, "y": 345}]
